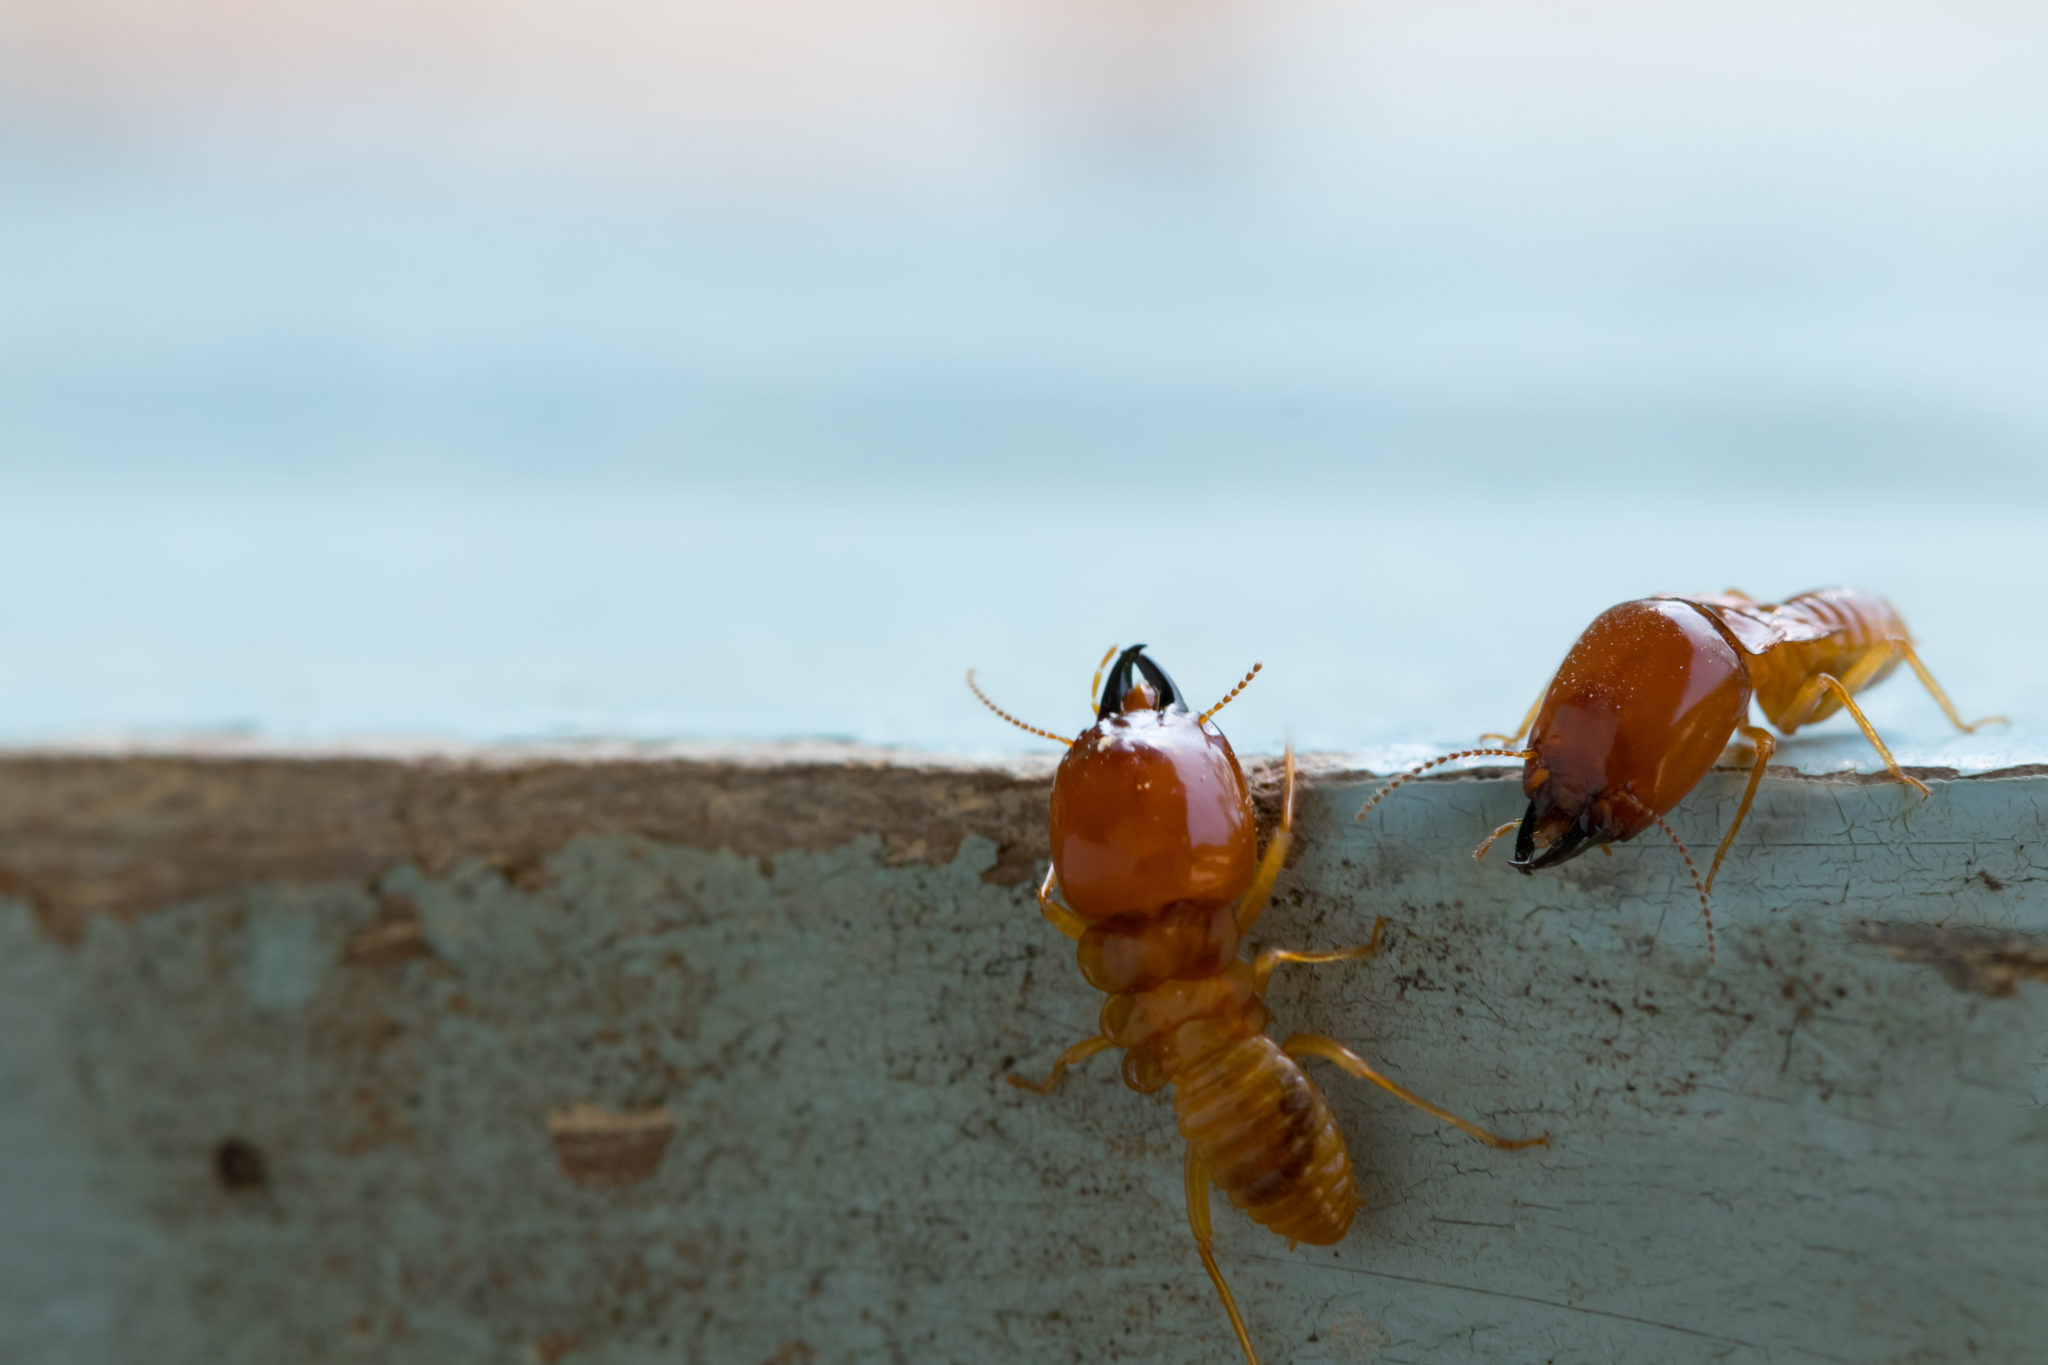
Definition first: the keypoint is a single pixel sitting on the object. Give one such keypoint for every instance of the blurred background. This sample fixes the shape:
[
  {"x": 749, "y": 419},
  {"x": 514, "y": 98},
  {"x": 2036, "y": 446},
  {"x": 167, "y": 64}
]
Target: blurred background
[{"x": 529, "y": 370}]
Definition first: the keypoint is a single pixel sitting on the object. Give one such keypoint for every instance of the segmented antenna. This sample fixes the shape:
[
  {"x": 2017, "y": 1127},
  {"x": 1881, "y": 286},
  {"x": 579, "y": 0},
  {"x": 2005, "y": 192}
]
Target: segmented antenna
[
  {"x": 1421, "y": 768},
  {"x": 1706, "y": 910},
  {"x": 1095, "y": 688},
  {"x": 1042, "y": 734},
  {"x": 1487, "y": 842},
  {"x": 1230, "y": 696}
]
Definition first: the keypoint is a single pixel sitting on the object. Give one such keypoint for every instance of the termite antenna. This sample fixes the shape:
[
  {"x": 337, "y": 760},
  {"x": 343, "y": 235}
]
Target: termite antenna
[
  {"x": 1487, "y": 842},
  {"x": 1042, "y": 734},
  {"x": 1421, "y": 768},
  {"x": 1706, "y": 910},
  {"x": 1095, "y": 688},
  {"x": 1231, "y": 695}
]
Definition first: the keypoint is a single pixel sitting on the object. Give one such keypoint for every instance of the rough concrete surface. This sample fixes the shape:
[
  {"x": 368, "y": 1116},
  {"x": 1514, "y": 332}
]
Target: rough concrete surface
[{"x": 700, "y": 1060}]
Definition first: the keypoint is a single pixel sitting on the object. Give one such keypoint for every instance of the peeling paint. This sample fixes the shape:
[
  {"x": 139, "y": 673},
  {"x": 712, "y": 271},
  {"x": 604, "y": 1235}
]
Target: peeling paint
[
  {"x": 397, "y": 936},
  {"x": 597, "y": 1147}
]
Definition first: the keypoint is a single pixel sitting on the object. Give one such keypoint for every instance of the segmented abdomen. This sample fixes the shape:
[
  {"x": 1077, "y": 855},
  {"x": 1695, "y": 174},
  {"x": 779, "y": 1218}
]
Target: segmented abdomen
[
  {"x": 1269, "y": 1139},
  {"x": 1854, "y": 620}
]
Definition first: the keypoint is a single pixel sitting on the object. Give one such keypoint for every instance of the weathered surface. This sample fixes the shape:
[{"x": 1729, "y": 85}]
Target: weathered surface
[
  {"x": 127, "y": 834},
  {"x": 633, "y": 1061}
]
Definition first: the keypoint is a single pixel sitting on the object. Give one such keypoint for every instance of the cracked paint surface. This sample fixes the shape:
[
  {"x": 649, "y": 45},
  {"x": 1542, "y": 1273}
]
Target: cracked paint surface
[{"x": 615, "y": 1097}]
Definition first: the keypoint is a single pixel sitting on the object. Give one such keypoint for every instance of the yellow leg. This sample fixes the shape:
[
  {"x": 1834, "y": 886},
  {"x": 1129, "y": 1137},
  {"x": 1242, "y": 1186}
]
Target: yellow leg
[
  {"x": 1263, "y": 965},
  {"x": 1253, "y": 903},
  {"x": 1765, "y": 747},
  {"x": 1905, "y": 648},
  {"x": 1319, "y": 1045},
  {"x": 1527, "y": 721},
  {"x": 1808, "y": 697},
  {"x": 1806, "y": 703},
  {"x": 1061, "y": 918},
  {"x": 1487, "y": 842},
  {"x": 1198, "y": 1223},
  {"x": 1073, "y": 1056}
]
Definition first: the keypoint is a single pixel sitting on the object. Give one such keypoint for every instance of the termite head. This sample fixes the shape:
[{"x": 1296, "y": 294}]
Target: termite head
[
  {"x": 1149, "y": 690},
  {"x": 1149, "y": 807},
  {"x": 1552, "y": 833},
  {"x": 1640, "y": 709}
]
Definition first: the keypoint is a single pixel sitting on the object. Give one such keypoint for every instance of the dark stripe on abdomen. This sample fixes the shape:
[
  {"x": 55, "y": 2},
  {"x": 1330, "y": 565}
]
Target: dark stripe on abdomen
[{"x": 1270, "y": 1140}]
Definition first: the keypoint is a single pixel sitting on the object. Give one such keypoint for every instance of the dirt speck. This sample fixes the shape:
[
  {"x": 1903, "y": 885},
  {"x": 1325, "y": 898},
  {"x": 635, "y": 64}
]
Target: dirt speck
[{"x": 238, "y": 1166}]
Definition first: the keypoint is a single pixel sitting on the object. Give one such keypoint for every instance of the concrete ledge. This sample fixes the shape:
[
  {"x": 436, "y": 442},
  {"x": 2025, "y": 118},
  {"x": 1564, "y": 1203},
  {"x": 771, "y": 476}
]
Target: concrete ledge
[{"x": 697, "y": 1056}]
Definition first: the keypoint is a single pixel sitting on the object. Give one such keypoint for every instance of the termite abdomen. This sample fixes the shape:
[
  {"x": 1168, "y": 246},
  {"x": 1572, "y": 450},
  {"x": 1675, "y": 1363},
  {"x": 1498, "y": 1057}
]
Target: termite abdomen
[{"x": 1270, "y": 1140}]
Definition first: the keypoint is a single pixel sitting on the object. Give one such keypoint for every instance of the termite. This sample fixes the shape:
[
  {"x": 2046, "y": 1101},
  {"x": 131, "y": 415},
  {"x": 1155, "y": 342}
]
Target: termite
[
  {"x": 1655, "y": 689},
  {"x": 1157, "y": 876}
]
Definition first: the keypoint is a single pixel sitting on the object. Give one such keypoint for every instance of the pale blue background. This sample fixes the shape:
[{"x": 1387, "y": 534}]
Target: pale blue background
[{"x": 1386, "y": 348}]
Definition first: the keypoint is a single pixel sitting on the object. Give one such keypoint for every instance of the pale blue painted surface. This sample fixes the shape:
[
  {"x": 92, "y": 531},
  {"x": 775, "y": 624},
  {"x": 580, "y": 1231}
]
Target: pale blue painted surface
[{"x": 1810, "y": 1152}]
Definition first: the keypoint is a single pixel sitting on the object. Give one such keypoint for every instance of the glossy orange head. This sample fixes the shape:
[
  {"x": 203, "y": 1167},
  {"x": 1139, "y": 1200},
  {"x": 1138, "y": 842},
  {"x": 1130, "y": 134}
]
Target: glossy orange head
[
  {"x": 1149, "y": 807},
  {"x": 1640, "y": 709}
]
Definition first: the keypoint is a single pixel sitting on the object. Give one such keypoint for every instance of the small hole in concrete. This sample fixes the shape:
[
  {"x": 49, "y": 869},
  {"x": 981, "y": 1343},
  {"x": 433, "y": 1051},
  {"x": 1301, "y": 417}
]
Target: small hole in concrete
[{"x": 238, "y": 1165}]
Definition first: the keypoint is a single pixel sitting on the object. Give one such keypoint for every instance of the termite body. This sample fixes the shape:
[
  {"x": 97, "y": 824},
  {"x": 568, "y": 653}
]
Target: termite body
[
  {"x": 1653, "y": 692},
  {"x": 1158, "y": 877}
]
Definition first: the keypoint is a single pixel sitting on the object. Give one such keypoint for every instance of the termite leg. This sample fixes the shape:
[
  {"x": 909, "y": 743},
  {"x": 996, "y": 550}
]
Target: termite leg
[
  {"x": 1073, "y": 1056},
  {"x": 1487, "y": 842},
  {"x": 1905, "y": 648},
  {"x": 1265, "y": 962},
  {"x": 1809, "y": 695},
  {"x": 1765, "y": 747},
  {"x": 1253, "y": 903},
  {"x": 1527, "y": 721},
  {"x": 1807, "y": 701},
  {"x": 1319, "y": 1045},
  {"x": 1061, "y": 918},
  {"x": 1198, "y": 1223}
]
